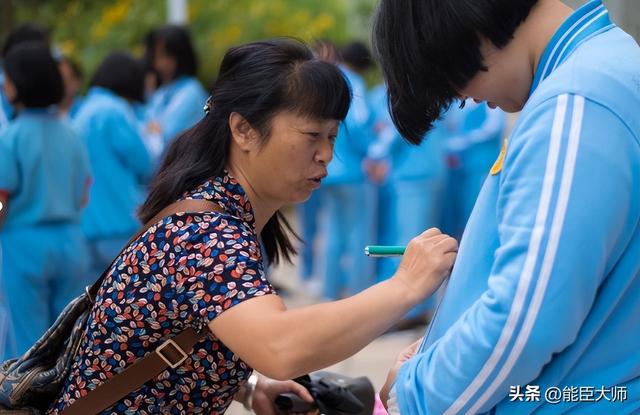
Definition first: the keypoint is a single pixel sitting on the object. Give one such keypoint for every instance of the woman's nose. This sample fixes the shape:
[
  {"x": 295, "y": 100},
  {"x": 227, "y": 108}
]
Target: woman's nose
[{"x": 325, "y": 151}]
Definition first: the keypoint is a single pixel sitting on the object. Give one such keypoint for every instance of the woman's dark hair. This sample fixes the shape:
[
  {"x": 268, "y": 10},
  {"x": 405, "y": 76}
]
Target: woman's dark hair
[
  {"x": 35, "y": 74},
  {"x": 28, "y": 32},
  {"x": 256, "y": 80},
  {"x": 357, "y": 55},
  {"x": 430, "y": 49},
  {"x": 177, "y": 43},
  {"x": 120, "y": 73}
]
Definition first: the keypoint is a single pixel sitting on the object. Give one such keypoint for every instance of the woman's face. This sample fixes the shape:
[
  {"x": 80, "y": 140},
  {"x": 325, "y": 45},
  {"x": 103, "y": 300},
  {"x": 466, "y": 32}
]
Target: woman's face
[
  {"x": 291, "y": 163},
  {"x": 164, "y": 63}
]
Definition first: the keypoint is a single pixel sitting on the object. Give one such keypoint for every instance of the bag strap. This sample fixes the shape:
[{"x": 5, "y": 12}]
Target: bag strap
[{"x": 170, "y": 354}]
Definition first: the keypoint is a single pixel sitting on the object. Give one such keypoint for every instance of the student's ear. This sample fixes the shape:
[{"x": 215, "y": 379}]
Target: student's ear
[{"x": 242, "y": 133}]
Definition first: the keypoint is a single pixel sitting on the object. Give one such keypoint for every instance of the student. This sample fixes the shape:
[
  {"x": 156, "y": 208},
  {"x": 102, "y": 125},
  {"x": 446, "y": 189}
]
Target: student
[
  {"x": 546, "y": 290},
  {"x": 120, "y": 162},
  {"x": 265, "y": 143},
  {"x": 44, "y": 178},
  {"x": 177, "y": 104},
  {"x": 28, "y": 32}
]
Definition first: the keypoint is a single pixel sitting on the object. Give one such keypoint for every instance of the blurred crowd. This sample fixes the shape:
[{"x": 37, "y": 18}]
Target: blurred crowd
[{"x": 75, "y": 167}]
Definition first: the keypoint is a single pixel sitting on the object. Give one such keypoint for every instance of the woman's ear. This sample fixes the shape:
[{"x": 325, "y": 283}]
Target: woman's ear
[{"x": 242, "y": 133}]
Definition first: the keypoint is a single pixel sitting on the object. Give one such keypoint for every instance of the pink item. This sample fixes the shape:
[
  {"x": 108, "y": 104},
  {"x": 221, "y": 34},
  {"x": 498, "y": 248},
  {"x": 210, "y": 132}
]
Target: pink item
[{"x": 378, "y": 409}]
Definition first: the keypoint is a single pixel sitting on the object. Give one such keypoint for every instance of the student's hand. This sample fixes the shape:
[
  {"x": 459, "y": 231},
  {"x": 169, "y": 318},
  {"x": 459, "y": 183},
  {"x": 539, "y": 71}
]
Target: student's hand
[
  {"x": 404, "y": 355},
  {"x": 268, "y": 389},
  {"x": 427, "y": 261}
]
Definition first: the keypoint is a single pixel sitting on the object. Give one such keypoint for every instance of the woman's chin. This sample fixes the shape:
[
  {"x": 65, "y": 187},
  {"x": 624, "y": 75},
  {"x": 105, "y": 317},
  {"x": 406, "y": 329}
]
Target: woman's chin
[{"x": 301, "y": 196}]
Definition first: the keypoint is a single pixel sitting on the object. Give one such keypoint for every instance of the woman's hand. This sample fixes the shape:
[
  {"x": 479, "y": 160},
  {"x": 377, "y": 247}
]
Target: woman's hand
[
  {"x": 268, "y": 389},
  {"x": 404, "y": 355},
  {"x": 427, "y": 261}
]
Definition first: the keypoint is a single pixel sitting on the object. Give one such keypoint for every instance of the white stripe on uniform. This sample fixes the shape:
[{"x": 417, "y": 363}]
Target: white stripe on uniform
[
  {"x": 525, "y": 280},
  {"x": 549, "y": 256}
]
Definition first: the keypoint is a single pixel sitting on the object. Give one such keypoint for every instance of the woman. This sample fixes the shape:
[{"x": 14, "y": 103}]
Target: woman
[
  {"x": 177, "y": 104},
  {"x": 44, "y": 178},
  {"x": 120, "y": 161},
  {"x": 265, "y": 142}
]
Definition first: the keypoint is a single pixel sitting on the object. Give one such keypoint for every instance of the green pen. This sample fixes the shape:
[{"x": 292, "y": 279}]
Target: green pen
[{"x": 383, "y": 250}]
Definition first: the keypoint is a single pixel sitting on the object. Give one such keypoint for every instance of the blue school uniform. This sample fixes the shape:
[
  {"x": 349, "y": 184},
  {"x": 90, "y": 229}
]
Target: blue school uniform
[
  {"x": 121, "y": 166},
  {"x": 44, "y": 170},
  {"x": 76, "y": 104},
  {"x": 4, "y": 317},
  {"x": 349, "y": 200},
  {"x": 6, "y": 110},
  {"x": 545, "y": 293},
  {"x": 177, "y": 106}
]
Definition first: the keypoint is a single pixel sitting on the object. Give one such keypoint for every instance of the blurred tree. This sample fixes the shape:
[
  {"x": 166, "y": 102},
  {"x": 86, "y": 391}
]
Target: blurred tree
[{"x": 87, "y": 30}]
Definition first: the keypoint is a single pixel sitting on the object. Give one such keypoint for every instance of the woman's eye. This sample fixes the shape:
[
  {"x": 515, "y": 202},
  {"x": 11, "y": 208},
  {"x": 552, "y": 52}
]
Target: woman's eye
[
  {"x": 333, "y": 137},
  {"x": 313, "y": 134}
]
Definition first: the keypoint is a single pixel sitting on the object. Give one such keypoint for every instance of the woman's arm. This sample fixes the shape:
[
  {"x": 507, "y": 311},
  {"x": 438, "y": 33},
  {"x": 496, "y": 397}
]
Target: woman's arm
[{"x": 284, "y": 344}]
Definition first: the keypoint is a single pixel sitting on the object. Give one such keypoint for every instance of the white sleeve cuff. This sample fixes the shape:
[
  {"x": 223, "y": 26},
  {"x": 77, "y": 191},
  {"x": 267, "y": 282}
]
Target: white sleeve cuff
[{"x": 392, "y": 403}]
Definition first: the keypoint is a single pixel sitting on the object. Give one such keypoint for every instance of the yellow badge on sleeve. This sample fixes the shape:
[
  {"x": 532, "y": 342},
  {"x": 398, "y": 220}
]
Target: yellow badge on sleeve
[{"x": 497, "y": 166}]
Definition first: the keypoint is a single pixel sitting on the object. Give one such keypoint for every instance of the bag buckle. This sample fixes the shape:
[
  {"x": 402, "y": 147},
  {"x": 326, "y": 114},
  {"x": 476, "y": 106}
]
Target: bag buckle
[{"x": 176, "y": 350}]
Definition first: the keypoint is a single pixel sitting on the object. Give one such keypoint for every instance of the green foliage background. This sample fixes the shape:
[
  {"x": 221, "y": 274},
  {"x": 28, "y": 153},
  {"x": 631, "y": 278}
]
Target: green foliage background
[{"x": 86, "y": 30}]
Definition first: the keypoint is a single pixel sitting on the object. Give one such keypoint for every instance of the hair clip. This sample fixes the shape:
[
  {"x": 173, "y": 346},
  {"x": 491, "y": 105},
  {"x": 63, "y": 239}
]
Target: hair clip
[{"x": 208, "y": 105}]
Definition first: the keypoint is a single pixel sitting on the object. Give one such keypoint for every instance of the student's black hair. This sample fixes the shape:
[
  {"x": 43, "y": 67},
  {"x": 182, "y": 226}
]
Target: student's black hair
[
  {"x": 27, "y": 32},
  {"x": 256, "y": 80},
  {"x": 120, "y": 73},
  {"x": 178, "y": 44},
  {"x": 430, "y": 49},
  {"x": 357, "y": 55},
  {"x": 35, "y": 75}
]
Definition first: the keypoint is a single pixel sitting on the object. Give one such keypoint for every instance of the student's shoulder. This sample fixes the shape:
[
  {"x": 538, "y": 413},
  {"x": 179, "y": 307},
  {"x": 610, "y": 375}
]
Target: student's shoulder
[
  {"x": 67, "y": 129},
  {"x": 605, "y": 71},
  {"x": 103, "y": 108},
  {"x": 191, "y": 87}
]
